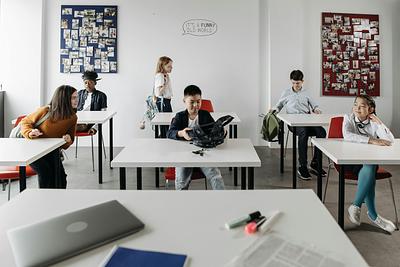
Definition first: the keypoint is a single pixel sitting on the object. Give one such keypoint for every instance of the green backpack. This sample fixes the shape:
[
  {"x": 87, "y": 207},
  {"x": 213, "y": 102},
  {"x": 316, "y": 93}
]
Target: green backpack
[{"x": 270, "y": 127}]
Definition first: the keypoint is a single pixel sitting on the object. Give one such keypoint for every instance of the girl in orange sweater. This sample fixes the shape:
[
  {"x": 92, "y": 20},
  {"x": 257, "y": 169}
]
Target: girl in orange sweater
[{"x": 61, "y": 122}]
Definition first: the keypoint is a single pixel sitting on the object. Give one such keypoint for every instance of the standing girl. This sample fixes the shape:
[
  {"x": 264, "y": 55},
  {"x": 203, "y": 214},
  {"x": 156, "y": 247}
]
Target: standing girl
[
  {"x": 363, "y": 126},
  {"x": 60, "y": 122},
  {"x": 162, "y": 89}
]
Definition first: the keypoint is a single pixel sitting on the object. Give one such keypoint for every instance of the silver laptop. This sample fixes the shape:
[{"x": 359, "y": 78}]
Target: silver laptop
[{"x": 61, "y": 237}]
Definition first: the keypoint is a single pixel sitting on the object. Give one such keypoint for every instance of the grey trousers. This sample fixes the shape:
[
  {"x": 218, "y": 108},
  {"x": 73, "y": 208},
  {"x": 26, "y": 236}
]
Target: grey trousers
[{"x": 213, "y": 175}]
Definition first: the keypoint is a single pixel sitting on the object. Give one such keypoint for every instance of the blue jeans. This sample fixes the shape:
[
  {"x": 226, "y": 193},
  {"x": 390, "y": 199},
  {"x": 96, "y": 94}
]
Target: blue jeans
[{"x": 213, "y": 175}]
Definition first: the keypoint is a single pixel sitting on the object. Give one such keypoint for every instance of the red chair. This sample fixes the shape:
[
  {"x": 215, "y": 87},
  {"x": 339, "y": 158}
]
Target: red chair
[
  {"x": 206, "y": 105},
  {"x": 335, "y": 131},
  {"x": 169, "y": 175},
  {"x": 9, "y": 173}
]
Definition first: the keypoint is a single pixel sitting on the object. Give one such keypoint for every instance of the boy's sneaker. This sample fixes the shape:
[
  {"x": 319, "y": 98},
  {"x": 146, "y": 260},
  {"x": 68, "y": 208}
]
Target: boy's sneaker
[
  {"x": 314, "y": 169},
  {"x": 303, "y": 173},
  {"x": 383, "y": 223},
  {"x": 354, "y": 214}
]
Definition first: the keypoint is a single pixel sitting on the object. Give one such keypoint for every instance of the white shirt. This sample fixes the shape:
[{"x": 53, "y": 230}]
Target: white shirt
[
  {"x": 162, "y": 79},
  {"x": 194, "y": 122},
  {"x": 296, "y": 102},
  {"x": 354, "y": 133},
  {"x": 88, "y": 102}
]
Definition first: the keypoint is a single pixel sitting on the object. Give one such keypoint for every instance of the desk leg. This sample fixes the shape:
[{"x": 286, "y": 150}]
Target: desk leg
[
  {"x": 230, "y": 137},
  {"x": 243, "y": 179},
  {"x": 22, "y": 178},
  {"x": 251, "y": 178},
  {"x": 139, "y": 178},
  {"x": 235, "y": 169},
  {"x": 282, "y": 136},
  {"x": 122, "y": 178},
  {"x": 100, "y": 152},
  {"x": 319, "y": 178},
  {"x": 157, "y": 177},
  {"x": 111, "y": 142},
  {"x": 294, "y": 169},
  {"x": 341, "y": 197},
  {"x": 156, "y": 131}
]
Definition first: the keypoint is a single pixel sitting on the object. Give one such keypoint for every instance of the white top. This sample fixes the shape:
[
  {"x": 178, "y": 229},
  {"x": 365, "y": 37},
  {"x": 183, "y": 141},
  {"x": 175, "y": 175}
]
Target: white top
[
  {"x": 303, "y": 120},
  {"x": 183, "y": 222},
  {"x": 194, "y": 122},
  {"x": 22, "y": 152},
  {"x": 358, "y": 131},
  {"x": 88, "y": 102},
  {"x": 296, "y": 102},
  {"x": 162, "y": 79},
  {"x": 166, "y": 118},
  {"x": 86, "y": 117},
  {"x": 174, "y": 153},
  {"x": 343, "y": 152}
]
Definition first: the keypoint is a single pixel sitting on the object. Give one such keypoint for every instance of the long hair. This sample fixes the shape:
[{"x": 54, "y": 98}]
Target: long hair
[
  {"x": 60, "y": 105},
  {"x": 162, "y": 61},
  {"x": 370, "y": 101}
]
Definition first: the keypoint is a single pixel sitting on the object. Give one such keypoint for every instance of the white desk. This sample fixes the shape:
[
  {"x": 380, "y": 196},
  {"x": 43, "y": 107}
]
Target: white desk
[
  {"x": 165, "y": 118},
  {"x": 193, "y": 225},
  {"x": 294, "y": 121},
  {"x": 99, "y": 118},
  {"x": 21, "y": 152},
  {"x": 348, "y": 153},
  {"x": 172, "y": 153}
]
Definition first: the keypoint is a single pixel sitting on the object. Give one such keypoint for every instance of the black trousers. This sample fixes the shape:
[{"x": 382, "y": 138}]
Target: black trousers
[
  {"x": 164, "y": 106},
  {"x": 50, "y": 171},
  {"x": 302, "y": 134}
]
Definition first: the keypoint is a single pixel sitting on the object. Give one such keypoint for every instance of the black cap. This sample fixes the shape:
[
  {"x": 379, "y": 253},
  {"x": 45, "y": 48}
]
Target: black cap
[
  {"x": 254, "y": 215},
  {"x": 90, "y": 75}
]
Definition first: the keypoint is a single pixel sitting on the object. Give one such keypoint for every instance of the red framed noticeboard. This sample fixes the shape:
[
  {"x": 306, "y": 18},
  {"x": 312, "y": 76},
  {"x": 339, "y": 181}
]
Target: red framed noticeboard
[{"x": 350, "y": 54}]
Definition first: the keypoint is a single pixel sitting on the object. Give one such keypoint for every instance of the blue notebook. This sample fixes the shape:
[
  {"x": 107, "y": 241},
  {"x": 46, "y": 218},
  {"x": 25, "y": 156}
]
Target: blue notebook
[{"x": 121, "y": 256}]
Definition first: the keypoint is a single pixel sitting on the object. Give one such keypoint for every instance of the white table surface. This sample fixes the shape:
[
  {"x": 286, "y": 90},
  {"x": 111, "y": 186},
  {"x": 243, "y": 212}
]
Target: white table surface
[
  {"x": 302, "y": 120},
  {"x": 86, "y": 117},
  {"x": 174, "y": 153},
  {"x": 188, "y": 222},
  {"x": 22, "y": 152},
  {"x": 343, "y": 152},
  {"x": 164, "y": 118}
]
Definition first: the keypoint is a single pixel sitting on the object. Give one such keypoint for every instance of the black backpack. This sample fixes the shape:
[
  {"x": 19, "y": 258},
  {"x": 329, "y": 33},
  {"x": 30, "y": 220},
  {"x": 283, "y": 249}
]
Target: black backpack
[{"x": 211, "y": 134}]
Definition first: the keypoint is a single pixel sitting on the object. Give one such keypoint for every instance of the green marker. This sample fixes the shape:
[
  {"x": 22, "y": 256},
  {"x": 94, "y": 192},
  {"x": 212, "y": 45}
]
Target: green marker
[{"x": 242, "y": 220}]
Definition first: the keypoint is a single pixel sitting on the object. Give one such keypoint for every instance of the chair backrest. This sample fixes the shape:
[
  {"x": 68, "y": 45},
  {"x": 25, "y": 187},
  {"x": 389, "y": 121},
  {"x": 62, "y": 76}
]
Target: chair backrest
[
  {"x": 18, "y": 120},
  {"x": 207, "y": 105},
  {"x": 335, "y": 128}
]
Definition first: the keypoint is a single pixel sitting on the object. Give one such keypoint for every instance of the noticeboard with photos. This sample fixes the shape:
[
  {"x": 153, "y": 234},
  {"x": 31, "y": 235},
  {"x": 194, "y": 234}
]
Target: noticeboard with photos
[
  {"x": 350, "y": 54},
  {"x": 88, "y": 39}
]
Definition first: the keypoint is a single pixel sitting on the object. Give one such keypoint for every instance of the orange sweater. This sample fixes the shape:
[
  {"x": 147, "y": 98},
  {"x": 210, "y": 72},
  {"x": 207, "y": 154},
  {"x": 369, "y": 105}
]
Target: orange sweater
[{"x": 49, "y": 128}]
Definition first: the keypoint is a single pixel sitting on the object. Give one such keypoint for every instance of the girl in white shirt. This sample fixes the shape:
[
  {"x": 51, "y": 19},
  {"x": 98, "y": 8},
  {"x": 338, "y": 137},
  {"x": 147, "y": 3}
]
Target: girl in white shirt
[
  {"x": 363, "y": 126},
  {"x": 163, "y": 89}
]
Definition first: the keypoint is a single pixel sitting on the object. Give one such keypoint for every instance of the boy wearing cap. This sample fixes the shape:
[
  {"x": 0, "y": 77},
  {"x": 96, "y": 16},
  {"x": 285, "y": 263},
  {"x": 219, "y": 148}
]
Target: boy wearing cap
[{"x": 90, "y": 99}]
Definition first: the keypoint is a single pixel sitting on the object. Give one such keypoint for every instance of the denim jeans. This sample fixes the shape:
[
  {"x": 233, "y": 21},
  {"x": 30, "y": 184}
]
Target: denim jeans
[{"x": 213, "y": 175}]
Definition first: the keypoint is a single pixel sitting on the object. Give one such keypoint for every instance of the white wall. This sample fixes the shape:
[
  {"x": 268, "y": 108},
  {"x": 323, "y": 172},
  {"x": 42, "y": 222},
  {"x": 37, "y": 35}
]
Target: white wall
[
  {"x": 224, "y": 65},
  {"x": 295, "y": 27},
  {"x": 396, "y": 70},
  {"x": 22, "y": 58}
]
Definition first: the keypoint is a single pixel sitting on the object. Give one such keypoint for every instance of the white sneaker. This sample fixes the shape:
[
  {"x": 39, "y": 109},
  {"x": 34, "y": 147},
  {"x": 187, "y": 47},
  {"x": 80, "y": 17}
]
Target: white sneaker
[
  {"x": 354, "y": 214},
  {"x": 383, "y": 223}
]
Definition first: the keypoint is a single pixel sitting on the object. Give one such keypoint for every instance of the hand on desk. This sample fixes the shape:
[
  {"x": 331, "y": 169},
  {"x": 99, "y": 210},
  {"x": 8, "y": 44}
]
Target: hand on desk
[
  {"x": 183, "y": 133},
  {"x": 379, "y": 142},
  {"x": 35, "y": 133},
  {"x": 67, "y": 138}
]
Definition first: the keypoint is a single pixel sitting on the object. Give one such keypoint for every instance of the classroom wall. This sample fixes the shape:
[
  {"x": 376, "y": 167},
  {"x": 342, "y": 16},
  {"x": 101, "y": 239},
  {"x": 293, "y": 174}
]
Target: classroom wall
[
  {"x": 294, "y": 28},
  {"x": 21, "y": 58},
  {"x": 225, "y": 65},
  {"x": 396, "y": 70}
]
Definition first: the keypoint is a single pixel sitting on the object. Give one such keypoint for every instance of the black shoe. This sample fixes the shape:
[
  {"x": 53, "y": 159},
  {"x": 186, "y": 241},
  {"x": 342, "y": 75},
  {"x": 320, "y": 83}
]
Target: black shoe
[
  {"x": 314, "y": 169},
  {"x": 303, "y": 173}
]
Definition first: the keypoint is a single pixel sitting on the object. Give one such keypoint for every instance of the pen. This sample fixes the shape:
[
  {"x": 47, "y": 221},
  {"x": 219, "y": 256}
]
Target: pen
[
  {"x": 242, "y": 220},
  {"x": 271, "y": 219},
  {"x": 252, "y": 226}
]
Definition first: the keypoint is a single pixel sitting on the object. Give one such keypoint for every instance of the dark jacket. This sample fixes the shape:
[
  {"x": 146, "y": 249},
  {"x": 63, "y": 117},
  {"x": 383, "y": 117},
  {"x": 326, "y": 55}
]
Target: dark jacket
[
  {"x": 181, "y": 121},
  {"x": 99, "y": 100}
]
